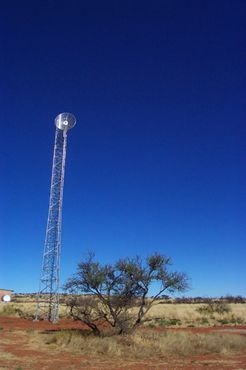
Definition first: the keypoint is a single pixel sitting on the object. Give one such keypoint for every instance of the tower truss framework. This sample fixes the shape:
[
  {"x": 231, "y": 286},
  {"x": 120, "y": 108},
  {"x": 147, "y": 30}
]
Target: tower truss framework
[{"x": 48, "y": 295}]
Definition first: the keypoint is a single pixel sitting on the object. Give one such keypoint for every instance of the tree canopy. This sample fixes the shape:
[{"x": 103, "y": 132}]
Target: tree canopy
[{"x": 119, "y": 293}]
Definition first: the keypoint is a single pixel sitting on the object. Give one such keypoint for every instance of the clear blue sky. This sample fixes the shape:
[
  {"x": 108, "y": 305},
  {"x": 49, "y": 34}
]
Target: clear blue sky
[{"x": 156, "y": 161}]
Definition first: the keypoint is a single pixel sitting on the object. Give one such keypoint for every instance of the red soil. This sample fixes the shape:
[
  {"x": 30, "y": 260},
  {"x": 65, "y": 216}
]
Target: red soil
[{"x": 17, "y": 352}]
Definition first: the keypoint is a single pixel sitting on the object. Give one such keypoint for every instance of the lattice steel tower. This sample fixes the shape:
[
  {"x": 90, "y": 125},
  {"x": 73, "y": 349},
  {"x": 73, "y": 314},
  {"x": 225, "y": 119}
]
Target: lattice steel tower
[{"x": 48, "y": 296}]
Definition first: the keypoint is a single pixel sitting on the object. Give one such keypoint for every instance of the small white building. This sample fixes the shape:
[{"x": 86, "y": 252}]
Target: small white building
[{"x": 5, "y": 295}]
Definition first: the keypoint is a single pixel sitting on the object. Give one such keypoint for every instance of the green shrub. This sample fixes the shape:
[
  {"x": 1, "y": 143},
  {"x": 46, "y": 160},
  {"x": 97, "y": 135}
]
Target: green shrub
[
  {"x": 204, "y": 321},
  {"x": 237, "y": 320},
  {"x": 214, "y": 307},
  {"x": 168, "y": 322},
  {"x": 223, "y": 321},
  {"x": 174, "y": 322}
]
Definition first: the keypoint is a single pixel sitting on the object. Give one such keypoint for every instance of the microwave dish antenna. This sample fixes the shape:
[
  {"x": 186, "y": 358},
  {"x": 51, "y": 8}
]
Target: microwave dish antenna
[{"x": 65, "y": 121}]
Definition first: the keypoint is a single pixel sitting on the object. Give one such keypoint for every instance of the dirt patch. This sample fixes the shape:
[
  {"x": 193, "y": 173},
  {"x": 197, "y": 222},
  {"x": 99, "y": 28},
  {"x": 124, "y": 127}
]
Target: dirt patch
[{"x": 17, "y": 323}]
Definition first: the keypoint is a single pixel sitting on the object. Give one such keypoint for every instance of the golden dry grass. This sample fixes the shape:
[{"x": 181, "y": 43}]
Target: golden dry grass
[
  {"x": 182, "y": 314},
  {"x": 147, "y": 344},
  {"x": 184, "y": 311},
  {"x": 27, "y": 309}
]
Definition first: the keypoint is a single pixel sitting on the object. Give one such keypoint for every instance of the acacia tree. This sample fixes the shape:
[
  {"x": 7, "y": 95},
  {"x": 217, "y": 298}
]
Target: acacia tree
[{"x": 118, "y": 294}]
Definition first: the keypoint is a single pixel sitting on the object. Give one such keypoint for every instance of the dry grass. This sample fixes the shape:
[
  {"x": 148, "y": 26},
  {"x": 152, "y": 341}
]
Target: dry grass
[
  {"x": 188, "y": 315},
  {"x": 172, "y": 315},
  {"x": 8, "y": 309},
  {"x": 147, "y": 344},
  {"x": 26, "y": 309}
]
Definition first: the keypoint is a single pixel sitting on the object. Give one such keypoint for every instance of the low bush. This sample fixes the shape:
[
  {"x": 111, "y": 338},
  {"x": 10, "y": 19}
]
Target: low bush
[
  {"x": 204, "y": 321},
  {"x": 8, "y": 310},
  {"x": 164, "y": 322},
  {"x": 174, "y": 322},
  {"x": 11, "y": 310},
  {"x": 224, "y": 321},
  {"x": 237, "y": 320},
  {"x": 214, "y": 307}
]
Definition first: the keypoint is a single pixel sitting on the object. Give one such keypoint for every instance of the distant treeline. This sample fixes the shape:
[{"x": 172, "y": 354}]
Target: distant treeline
[{"x": 228, "y": 298}]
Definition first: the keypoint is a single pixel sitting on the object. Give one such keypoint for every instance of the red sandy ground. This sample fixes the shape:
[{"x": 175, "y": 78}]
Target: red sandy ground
[{"x": 17, "y": 353}]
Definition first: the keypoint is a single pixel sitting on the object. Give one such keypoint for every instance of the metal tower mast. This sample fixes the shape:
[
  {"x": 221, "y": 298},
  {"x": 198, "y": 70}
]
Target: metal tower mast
[{"x": 48, "y": 296}]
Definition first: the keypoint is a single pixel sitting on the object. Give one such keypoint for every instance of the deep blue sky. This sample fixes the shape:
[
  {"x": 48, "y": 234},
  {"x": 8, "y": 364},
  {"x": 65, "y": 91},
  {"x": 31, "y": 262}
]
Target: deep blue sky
[{"x": 156, "y": 161}]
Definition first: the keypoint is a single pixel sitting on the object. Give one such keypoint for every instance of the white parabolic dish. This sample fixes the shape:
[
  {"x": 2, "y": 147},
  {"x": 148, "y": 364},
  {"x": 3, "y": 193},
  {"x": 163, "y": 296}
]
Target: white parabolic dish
[
  {"x": 65, "y": 121},
  {"x": 6, "y": 298}
]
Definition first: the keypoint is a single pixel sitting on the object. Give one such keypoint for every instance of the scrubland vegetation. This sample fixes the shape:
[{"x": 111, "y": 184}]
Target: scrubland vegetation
[
  {"x": 155, "y": 339},
  {"x": 161, "y": 314},
  {"x": 117, "y": 318},
  {"x": 144, "y": 344}
]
